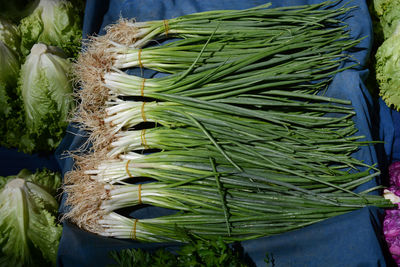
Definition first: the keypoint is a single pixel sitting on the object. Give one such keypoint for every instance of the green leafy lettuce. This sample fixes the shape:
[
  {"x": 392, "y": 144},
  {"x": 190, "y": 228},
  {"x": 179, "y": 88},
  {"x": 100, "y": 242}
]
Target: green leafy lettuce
[
  {"x": 9, "y": 69},
  {"x": 35, "y": 100},
  {"x": 386, "y": 66},
  {"x": 388, "y": 13},
  {"x": 10, "y": 35},
  {"x": 9, "y": 63},
  {"x": 11, "y": 116},
  {"x": 29, "y": 232},
  {"x": 387, "y": 70},
  {"x": 53, "y": 22},
  {"x": 46, "y": 90}
]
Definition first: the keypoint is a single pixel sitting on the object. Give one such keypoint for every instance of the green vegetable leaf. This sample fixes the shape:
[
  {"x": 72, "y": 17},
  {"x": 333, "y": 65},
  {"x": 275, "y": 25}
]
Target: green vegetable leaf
[
  {"x": 12, "y": 118},
  {"x": 9, "y": 69},
  {"x": 388, "y": 13},
  {"x": 50, "y": 181},
  {"x": 53, "y": 22},
  {"x": 13, "y": 225},
  {"x": 29, "y": 232},
  {"x": 387, "y": 70},
  {"x": 5, "y": 108},
  {"x": 10, "y": 35},
  {"x": 9, "y": 60},
  {"x": 138, "y": 257},
  {"x": 196, "y": 253},
  {"x": 43, "y": 230},
  {"x": 46, "y": 92}
]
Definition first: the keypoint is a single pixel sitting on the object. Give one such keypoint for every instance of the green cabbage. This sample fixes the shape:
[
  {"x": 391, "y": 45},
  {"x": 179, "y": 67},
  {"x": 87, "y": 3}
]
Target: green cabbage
[
  {"x": 387, "y": 70},
  {"x": 53, "y": 22},
  {"x": 46, "y": 91},
  {"x": 29, "y": 232}
]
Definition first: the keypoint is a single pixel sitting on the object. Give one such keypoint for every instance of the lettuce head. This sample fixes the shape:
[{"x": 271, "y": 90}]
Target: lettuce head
[
  {"x": 9, "y": 57},
  {"x": 9, "y": 69},
  {"x": 46, "y": 90},
  {"x": 53, "y": 22},
  {"x": 10, "y": 119},
  {"x": 388, "y": 13},
  {"x": 9, "y": 66},
  {"x": 387, "y": 70},
  {"x": 29, "y": 232}
]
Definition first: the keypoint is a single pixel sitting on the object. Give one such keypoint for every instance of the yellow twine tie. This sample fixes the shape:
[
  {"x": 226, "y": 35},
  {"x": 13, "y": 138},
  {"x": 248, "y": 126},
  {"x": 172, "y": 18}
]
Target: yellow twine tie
[
  {"x": 166, "y": 27},
  {"x": 142, "y": 110},
  {"x": 143, "y": 139},
  {"x": 140, "y": 193},
  {"x": 140, "y": 58},
  {"x": 133, "y": 232},
  {"x": 127, "y": 168},
  {"x": 142, "y": 87}
]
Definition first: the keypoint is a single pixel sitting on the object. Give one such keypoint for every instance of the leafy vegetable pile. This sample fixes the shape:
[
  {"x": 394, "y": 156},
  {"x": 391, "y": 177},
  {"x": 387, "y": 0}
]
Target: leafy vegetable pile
[
  {"x": 35, "y": 76},
  {"x": 29, "y": 231},
  {"x": 195, "y": 253},
  {"x": 243, "y": 142},
  {"x": 386, "y": 30}
]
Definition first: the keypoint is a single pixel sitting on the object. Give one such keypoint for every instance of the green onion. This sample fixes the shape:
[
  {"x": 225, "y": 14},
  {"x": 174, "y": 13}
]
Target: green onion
[{"x": 238, "y": 139}]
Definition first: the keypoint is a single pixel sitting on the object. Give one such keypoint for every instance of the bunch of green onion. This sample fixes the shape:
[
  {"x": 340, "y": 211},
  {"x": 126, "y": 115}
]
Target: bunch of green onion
[{"x": 243, "y": 144}]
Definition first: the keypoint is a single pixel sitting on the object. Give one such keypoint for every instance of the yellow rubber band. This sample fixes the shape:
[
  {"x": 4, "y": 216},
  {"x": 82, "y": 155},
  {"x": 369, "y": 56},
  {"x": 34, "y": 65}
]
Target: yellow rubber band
[
  {"x": 127, "y": 168},
  {"x": 140, "y": 193},
  {"x": 140, "y": 58},
  {"x": 133, "y": 232},
  {"x": 142, "y": 87},
  {"x": 142, "y": 110},
  {"x": 143, "y": 139},
  {"x": 166, "y": 27}
]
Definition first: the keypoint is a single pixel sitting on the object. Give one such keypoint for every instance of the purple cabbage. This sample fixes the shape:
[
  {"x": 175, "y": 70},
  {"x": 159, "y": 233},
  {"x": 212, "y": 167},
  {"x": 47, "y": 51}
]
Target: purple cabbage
[
  {"x": 394, "y": 174},
  {"x": 391, "y": 223},
  {"x": 391, "y": 230}
]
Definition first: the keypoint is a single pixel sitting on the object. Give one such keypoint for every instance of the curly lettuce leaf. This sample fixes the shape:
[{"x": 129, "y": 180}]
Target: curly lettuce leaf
[
  {"x": 47, "y": 179},
  {"x": 50, "y": 181},
  {"x": 5, "y": 108},
  {"x": 10, "y": 35},
  {"x": 13, "y": 225},
  {"x": 388, "y": 13},
  {"x": 13, "y": 130},
  {"x": 29, "y": 232},
  {"x": 12, "y": 117},
  {"x": 43, "y": 230},
  {"x": 46, "y": 90},
  {"x": 9, "y": 62},
  {"x": 9, "y": 66},
  {"x": 12, "y": 121},
  {"x": 387, "y": 71},
  {"x": 53, "y": 22}
]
